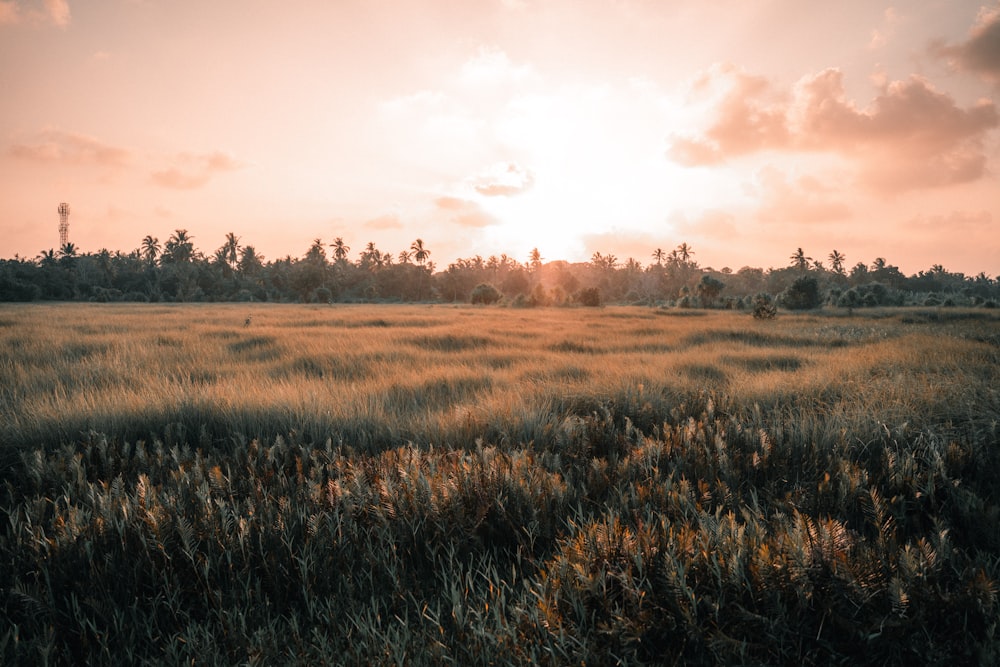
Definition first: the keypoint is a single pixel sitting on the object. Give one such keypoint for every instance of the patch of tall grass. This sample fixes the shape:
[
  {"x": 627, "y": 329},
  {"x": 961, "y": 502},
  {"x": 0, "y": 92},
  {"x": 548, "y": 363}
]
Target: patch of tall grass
[{"x": 428, "y": 485}]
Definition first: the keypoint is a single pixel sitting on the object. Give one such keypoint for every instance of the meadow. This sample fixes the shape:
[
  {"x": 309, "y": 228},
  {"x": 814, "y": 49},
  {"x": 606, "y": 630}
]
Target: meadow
[{"x": 432, "y": 484}]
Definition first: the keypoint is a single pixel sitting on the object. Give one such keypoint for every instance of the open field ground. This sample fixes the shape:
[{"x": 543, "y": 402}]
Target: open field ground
[{"x": 462, "y": 485}]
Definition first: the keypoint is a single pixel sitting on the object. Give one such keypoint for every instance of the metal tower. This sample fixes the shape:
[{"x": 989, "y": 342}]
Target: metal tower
[{"x": 63, "y": 224}]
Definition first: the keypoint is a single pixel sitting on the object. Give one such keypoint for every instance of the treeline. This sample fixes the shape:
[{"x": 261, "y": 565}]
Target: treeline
[{"x": 176, "y": 271}]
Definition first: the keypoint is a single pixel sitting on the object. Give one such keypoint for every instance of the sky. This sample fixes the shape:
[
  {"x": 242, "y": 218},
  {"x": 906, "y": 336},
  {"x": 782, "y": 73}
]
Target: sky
[{"x": 744, "y": 128}]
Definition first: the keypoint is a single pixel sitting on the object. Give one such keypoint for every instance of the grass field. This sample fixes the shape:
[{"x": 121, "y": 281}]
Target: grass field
[{"x": 461, "y": 485}]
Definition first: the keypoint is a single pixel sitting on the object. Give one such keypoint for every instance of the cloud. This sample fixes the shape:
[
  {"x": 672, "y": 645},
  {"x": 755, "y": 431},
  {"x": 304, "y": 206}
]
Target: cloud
[
  {"x": 191, "y": 171},
  {"x": 980, "y": 53},
  {"x": 465, "y": 213},
  {"x": 804, "y": 200},
  {"x": 750, "y": 117},
  {"x": 387, "y": 221},
  {"x": 54, "y": 12},
  {"x": 9, "y": 13},
  {"x": 69, "y": 147},
  {"x": 503, "y": 179},
  {"x": 881, "y": 36},
  {"x": 910, "y": 136},
  {"x": 710, "y": 224},
  {"x": 965, "y": 220},
  {"x": 493, "y": 67},
  {"x": 58, "y": 12}
]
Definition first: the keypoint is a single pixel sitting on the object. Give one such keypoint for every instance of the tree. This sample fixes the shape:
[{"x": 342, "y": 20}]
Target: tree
[
  {"x": 684, "y": 252},
  {"x": 709, "y": 290},
  {"x": 485, "y": 293},
  {"x": 535, "y": 259},
  {"x": 340, "y": 249},
  {"x": 803, "y": 294},
  {"x": 179, "y": 248},
  {"x": 659, "y": 255},
  {"x": 150, "y": 249},
  {"x": 420, "y": 253},
  {"x": 799, "y": 260},
  {"x": 837, "y": 262},
  {"x": 231, "y": 250}
]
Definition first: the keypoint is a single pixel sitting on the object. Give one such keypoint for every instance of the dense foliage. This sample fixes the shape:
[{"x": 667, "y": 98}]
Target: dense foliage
[
  {"x": 177, "y": 271},
  {"x": 686, "y": 490}
]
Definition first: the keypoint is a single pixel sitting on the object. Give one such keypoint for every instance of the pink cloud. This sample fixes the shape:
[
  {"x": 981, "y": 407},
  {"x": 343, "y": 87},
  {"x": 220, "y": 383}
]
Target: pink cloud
[
  {"x": 980, "y": 53},
  {"x": 750, "y": 117},
  {"x": 465, "y": 213},
  {"x": 56, "y": 12},
  {"x": 910, "y": 136},
  {"x": 69, "y": 147},
  {"x": 387, "y": 221},
  {"x": 192, "y": 171},
  {"x": 804, "y": 200},
  {"x": 966, "y": 220},
  {"x": 504, "y": 179}
]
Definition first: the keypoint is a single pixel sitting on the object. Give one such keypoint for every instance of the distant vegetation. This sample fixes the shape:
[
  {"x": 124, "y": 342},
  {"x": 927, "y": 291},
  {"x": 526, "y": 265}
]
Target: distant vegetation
[
  {"x": 176, "y": 271},
  {"x": 427, "y": 484}
]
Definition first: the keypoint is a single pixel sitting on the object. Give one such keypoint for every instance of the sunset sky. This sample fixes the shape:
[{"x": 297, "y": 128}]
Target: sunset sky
[{"x": 745, "y": 128}]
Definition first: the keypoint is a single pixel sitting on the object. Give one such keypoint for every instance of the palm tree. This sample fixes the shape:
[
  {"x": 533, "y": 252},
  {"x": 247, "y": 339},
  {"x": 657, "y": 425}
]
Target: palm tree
[
  {"x": 404, "y": 257},
  {"x": 659, "y": 255},
  {"x": 231, "y": 250},
  {"x": 420, "y": 253},
  {"x": 340, "y": 249},
  {"x": 799, "y": 260},
  {"x": 535, "y": 259},
  {"x": 837, "y": 262},
  {"x": 150, "y": 249},
  {"x": 47, "y": 257},
  {"x": 179, "y": 248},
  {"x": 685, "y": 252}
]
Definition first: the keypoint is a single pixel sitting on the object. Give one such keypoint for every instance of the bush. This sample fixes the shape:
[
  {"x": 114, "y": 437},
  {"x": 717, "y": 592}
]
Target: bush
[
  {"x": 803, "y": 294},
  {"x": 485, "y": 293},
  {"x": 763, "y": 307},
  {"x": 590, "y": 296}
]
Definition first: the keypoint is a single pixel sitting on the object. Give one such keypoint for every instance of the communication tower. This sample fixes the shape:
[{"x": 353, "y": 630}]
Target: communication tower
[{"x": 63, "y": 224}]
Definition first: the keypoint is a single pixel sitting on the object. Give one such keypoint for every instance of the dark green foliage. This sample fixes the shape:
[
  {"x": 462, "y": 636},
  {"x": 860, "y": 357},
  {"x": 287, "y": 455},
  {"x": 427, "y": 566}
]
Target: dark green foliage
[{"x": 803, "y": 294}]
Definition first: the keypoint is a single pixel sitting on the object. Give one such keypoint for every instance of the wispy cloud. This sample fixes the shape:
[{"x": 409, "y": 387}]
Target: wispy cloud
[
  {"x": 465, "y": 213},
  {"x": 190, "y": 171},
  {"x": 801, "y": 200},
  {"x": 51, "y": 145},
  {"x": 503, "y": 179},
  {"x": 387, "y": 221}
]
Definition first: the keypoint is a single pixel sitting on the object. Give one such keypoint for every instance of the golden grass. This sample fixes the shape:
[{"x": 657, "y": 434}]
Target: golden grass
[
  {"x": 460, "y": 485},
  {"x": 437, "y": 373}
]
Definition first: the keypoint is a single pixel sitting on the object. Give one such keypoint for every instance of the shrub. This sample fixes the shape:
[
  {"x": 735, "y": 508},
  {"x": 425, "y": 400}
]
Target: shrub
[
  {"x": 763, "y": 307},
  {"x": 485, "y": 293},
  {"x": 589, "y": 296},
  {"x": 539, "y": 296}
]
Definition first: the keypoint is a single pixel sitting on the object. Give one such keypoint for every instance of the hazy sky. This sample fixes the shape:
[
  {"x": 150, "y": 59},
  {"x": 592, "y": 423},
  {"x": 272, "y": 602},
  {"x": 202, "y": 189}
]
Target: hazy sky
[{"x": 746, "y": 128}]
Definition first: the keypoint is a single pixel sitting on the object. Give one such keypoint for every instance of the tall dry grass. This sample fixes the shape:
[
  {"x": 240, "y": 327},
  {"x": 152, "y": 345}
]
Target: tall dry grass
[{"x": 442, "y": 485}]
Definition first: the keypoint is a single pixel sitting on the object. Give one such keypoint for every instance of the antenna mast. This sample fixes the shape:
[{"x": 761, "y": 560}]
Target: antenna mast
[{"x": 63, "y": 224}]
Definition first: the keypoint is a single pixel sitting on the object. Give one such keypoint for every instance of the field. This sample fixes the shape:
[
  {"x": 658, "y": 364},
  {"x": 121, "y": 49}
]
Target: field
[{"x": 432, "y": 484}]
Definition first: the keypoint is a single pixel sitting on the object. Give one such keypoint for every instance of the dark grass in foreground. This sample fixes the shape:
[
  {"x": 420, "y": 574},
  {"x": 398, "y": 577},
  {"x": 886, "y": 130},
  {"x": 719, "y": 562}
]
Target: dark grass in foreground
[{"x": 636, "y": 525}]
